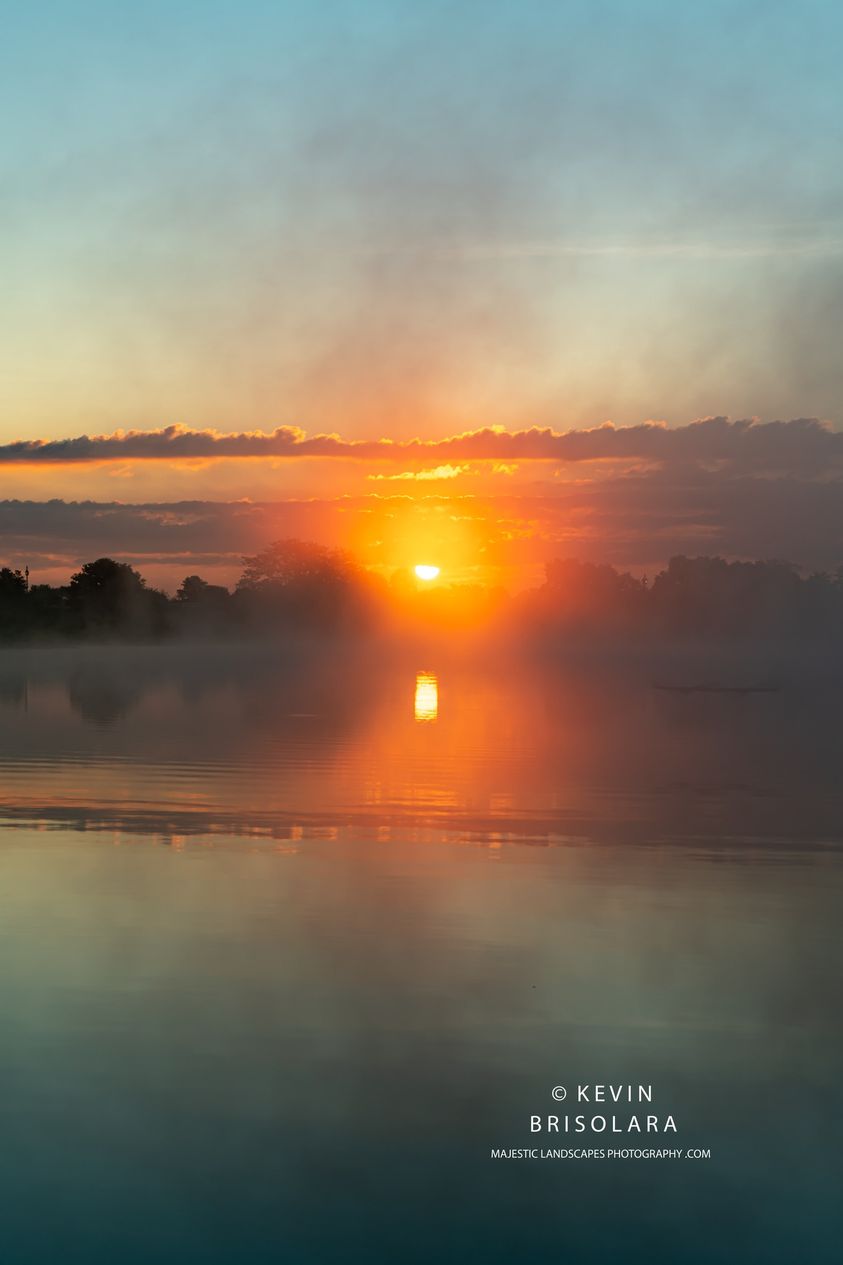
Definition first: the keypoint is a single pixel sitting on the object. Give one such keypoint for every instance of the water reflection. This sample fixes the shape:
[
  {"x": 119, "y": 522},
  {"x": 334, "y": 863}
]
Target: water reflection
[
  {"x": 194, "y": 741},
  {"x": 426, "y": 704},
  {"x": 303, "y": 999},
  {"x": 101, "y": 699}
]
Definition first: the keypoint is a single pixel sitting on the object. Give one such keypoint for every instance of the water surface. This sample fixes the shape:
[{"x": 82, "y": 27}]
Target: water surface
[{"x": 288, "y": 946}]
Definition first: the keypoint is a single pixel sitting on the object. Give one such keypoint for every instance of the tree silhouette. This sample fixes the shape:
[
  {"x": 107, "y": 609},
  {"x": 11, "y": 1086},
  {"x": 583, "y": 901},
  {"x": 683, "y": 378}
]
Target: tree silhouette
[
  {"x": 300, "y": 586},
  {"x": 289, "y": 563},
  {"x": 583, "y": 595},
  {"x": 201, "y": 607},
  {"x": 12, "y": 601},
  {"x": 107, "y": 596},
  {"x": 713, "y": 595},
  {"x": 192, "y": 589},
  {"x": 12, "y": 583},
  {"x": 301, "y": 583}
]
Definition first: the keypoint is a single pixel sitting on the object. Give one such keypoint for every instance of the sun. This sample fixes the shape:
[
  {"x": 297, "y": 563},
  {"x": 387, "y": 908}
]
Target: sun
[{"x": 424, "y": 571}]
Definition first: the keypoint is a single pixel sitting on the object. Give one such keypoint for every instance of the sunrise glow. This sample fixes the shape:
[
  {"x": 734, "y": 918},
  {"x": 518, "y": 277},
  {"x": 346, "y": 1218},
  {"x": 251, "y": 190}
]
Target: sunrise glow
[{"x": 424, "y": 571}]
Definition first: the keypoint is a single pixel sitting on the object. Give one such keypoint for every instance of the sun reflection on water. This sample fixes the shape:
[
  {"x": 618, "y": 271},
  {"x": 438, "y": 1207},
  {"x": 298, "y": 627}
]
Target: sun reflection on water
[{"x": 426, "y": 705}]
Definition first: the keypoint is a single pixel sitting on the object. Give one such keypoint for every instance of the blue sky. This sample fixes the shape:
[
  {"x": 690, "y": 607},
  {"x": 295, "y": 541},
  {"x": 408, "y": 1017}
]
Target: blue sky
[{"x": 403, "y": 218}]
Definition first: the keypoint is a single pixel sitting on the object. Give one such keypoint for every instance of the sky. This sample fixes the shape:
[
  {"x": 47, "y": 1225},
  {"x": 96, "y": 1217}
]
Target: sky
[{"x": 385, "y": 220}]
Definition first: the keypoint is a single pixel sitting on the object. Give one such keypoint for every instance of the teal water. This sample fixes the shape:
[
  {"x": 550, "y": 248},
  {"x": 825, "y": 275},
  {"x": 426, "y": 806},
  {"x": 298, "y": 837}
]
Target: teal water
[{"x": 286, "y": 949}]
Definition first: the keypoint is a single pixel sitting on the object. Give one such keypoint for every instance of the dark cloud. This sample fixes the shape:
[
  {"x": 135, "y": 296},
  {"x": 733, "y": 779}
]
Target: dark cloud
[
  {"x": 210, "y": 530},
  {"x": 803, "y": 444},
  {"x": 635, "y": 519}
]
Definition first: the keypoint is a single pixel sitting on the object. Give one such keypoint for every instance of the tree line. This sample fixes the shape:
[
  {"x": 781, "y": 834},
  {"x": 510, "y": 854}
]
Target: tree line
[
  {"x": 298, "y": 586},
  {"x": 292, "y": 584},
  {"x": 703, "y": 596}
]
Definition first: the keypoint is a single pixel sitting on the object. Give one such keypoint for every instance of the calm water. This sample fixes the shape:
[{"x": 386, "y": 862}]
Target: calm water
[{"x": 287, "y": 948}]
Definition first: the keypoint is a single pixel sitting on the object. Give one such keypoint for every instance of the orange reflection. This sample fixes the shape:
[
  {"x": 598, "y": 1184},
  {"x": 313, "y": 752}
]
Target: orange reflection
[{"x": 426, "y": 706}]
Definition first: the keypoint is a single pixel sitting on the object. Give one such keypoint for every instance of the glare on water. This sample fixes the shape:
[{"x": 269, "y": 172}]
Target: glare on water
[{"x": 426, "y": 707}]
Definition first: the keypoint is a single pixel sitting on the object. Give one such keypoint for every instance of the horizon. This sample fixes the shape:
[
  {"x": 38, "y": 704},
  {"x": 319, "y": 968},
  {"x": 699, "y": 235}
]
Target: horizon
[
  {"x": 493, "y": 506},
  {"x": 425, "y": 575},
  {"x": 297, "y": 590}
]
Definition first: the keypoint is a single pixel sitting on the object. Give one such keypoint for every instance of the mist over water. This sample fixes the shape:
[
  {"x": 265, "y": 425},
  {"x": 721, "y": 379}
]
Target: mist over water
[
  {"x": 279, "y": 736},
  {"x": 289, "y": 940}
]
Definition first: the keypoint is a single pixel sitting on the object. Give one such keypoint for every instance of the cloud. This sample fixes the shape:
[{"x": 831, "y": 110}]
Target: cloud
[
  {"x": 632, "y": 496},
  {"x": 803, "y": 444},
  {"x": 424, "y": 476},
  {"x": 631, "y": 518}
]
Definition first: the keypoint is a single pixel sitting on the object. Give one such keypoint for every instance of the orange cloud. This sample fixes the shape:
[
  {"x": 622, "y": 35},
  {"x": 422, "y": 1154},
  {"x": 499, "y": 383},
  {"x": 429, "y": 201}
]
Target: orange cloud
[
  {"x": 438, "y": 472},
  {"x": 507, "y": 502},
  {"x": 794, "y": 445}
]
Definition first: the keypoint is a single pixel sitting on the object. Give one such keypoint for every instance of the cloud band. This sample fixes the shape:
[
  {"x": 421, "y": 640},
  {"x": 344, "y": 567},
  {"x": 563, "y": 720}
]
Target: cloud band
[{"x": 799, "y": 445}]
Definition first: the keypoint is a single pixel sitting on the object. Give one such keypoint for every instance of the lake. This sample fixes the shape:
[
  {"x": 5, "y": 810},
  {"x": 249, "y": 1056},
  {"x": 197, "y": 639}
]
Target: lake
[{"x": 291, "y": 943}]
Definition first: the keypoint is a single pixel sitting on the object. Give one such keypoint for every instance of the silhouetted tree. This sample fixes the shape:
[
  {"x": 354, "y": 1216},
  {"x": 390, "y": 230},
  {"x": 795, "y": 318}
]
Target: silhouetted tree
[
  {"x": 46, "y": 609},
  {"x": 691, "y": 597},
  {"x": 582, "y": 596},
  {"x": 711, "y": 595},
  {"x": 192, "y": 589},
  {"x": 107, "y": 596},
  {"x": 202, "y": 607},
  {"x": 288, "y": 563},
  {"x": 12, "y": 583},
  {"x": 301, "y": 585},
  {"x": 12, "y": 602},
  {"x": 298, "y": 582}
]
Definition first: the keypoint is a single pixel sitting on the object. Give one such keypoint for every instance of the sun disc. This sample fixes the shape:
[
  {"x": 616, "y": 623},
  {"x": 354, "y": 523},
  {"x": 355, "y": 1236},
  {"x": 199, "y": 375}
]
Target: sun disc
[{"x": 425, "y": 571}]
